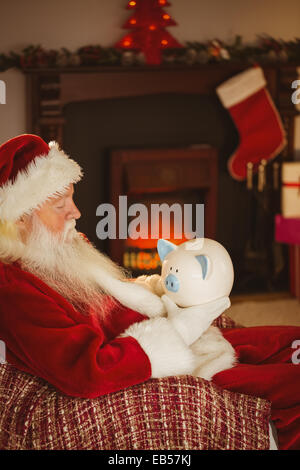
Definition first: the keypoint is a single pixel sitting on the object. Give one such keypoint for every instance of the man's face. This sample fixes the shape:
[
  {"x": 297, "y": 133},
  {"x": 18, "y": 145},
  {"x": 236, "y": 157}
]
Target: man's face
[{"x": 57, "y": 211}]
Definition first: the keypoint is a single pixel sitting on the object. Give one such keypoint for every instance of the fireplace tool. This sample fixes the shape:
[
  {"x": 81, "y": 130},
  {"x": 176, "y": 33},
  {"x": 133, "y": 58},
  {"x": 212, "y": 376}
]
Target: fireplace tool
[{"x": 263, "y": 259}]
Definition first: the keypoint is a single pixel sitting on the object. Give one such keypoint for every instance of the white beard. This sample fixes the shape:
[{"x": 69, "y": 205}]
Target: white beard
[
  {"x": 81, "y": 274},
  {"x": 67, "y": 262}
]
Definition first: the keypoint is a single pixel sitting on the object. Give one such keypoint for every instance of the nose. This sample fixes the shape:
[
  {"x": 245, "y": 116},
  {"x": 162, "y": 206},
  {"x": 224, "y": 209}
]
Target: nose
[
  {"x": 74, "y": 212},
  {"x": 77, "y": 213},
  {"x": 172, "y": 283}
]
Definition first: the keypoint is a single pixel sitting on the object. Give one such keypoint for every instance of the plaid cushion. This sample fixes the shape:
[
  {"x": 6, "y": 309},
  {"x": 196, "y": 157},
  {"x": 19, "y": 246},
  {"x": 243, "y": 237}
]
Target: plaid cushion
[{"x": 172, "y": 413}]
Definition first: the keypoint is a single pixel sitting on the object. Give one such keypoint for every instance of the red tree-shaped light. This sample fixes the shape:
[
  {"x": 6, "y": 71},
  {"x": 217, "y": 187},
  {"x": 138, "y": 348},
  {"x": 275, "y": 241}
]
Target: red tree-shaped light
[{"x": 148, "y": 29}]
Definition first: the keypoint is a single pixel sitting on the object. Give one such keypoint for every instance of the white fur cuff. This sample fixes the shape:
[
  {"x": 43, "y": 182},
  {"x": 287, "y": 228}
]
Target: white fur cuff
[
  {"x": 45, "y": 176},
  {"x": 240, "y": 87},
  {"x": 167, "y": 352}
]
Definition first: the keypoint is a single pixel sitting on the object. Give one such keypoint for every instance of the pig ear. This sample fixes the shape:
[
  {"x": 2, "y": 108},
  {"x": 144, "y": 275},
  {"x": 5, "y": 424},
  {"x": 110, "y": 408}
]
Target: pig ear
[
  {"x": 164, "y": 247},
  {"x": 203, "y": 261},
  {"x": 195, "y": 244}
]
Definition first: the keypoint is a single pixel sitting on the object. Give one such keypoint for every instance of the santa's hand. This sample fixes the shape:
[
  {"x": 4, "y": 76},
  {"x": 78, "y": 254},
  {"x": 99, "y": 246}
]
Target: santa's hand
[
  {"x": 171, "y": 307},
  {"x": 152, "y": 283},
  {"x": 192, "y": 322}
]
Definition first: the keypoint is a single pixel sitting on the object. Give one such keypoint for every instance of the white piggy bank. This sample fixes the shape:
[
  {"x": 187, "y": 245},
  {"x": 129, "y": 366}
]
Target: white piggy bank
[{"x": 195, "y": 272}]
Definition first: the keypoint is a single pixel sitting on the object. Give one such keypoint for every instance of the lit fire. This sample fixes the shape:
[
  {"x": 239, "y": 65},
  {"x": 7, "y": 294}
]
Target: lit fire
[
  {"x": 141, "y": 260},
  {"x": 141, "y": 254}
]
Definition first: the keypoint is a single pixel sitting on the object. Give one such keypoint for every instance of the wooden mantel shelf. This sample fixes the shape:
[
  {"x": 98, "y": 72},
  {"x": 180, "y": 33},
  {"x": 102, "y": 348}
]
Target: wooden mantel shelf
[
  {"x": 231, "y": 65},
  {"x": 50, "y": 89}
]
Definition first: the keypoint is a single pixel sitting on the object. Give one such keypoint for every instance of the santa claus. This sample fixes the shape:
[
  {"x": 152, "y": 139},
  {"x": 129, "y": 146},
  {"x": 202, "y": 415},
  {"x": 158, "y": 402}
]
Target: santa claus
[{"x": 69, "y": 314}]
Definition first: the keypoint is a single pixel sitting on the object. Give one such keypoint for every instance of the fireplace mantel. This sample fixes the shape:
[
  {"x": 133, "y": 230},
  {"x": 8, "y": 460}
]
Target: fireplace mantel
[{"x": 49, "y": 90}]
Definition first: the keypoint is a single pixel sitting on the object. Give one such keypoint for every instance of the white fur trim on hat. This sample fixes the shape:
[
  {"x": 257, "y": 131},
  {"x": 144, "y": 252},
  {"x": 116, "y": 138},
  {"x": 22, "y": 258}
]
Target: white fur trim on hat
[
  {"x": 46, "y": 176},
  {"x": 167, "y": 352},
  {"x": 240, "y": 87}
]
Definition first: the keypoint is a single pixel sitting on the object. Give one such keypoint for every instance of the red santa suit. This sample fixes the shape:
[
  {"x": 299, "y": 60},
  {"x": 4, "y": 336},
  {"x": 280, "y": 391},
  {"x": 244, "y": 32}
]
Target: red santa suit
[
  {"x": 47, "y": 337},
  {"x": 44, "y": 335},
  {"x": 269, "y": 367}
]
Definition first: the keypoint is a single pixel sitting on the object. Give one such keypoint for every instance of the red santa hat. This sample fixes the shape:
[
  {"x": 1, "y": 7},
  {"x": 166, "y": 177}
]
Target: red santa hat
[{"x": 31, "y": 172}]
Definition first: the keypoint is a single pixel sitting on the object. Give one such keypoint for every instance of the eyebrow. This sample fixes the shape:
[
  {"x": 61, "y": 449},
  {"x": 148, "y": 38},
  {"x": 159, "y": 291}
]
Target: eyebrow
[{"x": 64, "y": 196}]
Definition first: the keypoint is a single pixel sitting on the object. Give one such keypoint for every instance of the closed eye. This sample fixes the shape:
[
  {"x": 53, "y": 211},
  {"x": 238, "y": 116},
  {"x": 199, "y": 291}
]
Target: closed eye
[{"x": 61, "y": 206}]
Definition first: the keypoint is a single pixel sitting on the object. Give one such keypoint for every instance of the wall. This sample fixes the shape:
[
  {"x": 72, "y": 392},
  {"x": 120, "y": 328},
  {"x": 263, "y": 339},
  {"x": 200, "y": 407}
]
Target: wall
[{"x": 73, "y": 23}]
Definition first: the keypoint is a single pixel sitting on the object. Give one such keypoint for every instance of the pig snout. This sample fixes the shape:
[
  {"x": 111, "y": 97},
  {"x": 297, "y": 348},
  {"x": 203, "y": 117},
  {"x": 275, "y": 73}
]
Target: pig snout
[{"x": 172, "y": 283}]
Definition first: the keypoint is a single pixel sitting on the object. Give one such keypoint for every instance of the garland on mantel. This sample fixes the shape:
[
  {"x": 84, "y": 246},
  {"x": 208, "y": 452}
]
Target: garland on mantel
[{"x": 265, "y": 50}]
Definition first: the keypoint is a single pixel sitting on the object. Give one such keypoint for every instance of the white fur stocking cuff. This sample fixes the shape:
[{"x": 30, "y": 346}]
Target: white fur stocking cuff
[{"x": 167, "y": 352}]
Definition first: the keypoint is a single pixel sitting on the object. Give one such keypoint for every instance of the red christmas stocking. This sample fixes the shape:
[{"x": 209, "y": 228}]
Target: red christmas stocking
[{"x": 259, "y": 125}]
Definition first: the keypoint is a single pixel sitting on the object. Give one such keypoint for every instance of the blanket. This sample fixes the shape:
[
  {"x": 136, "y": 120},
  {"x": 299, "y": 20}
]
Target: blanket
[
  {"x": 171, "y": 413},
  {"x": 269, "y": 367}
]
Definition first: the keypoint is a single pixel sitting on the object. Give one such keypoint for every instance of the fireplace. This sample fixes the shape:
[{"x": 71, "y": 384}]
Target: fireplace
[
  {"x": 186, "y": 177},
  {"x": 101, "y": 113}
]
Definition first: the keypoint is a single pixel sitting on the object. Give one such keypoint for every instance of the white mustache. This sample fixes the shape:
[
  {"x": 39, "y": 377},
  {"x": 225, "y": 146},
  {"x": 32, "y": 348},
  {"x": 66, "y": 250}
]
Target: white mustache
[
  {"x": 69, "y": 227},
  {"x": 70, "y": 224}
]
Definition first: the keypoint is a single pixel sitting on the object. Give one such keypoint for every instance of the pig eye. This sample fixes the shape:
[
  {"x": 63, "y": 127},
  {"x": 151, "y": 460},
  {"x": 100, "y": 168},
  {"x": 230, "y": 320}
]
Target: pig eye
[
  {"x": 177, "y": 270},
  {"x": 171, "y": 268}
]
